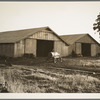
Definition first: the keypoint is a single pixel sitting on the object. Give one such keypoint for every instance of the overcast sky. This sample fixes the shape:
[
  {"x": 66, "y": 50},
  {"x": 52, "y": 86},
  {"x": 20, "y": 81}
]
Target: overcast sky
[{"x": 62, "y": 17}]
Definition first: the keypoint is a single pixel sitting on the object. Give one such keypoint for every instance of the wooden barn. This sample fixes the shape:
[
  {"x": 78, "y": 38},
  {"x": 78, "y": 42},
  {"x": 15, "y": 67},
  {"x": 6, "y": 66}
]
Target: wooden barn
[
  {"x": 82, "y": 44},
  {"x": 36, "y": 41}
]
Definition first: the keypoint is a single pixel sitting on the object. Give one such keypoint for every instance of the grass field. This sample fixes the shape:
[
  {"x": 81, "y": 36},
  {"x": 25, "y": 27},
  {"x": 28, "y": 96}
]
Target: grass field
[{"x": 73, "y": 75}]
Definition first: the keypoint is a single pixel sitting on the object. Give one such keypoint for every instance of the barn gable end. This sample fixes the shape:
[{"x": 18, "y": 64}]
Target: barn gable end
[
  {"x": 86, "y": 39},
  {"x": 43, "y": 42},
  {"x": 82, "y": 44},
  {"x": 45, "y": 35}
]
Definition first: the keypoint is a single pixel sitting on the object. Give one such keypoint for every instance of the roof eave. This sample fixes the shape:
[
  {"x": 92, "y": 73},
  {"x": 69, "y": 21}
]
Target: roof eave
[{"x": 58, "y": 36}]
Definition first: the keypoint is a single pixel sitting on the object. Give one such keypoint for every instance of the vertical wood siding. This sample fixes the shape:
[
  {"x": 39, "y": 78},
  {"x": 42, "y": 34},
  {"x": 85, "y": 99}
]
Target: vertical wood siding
[
  {"x": 61, "y": 48},
  {"x": 64, "y": 49},
  {"x": 93, "y": 50},
  {"x": 19, "y": 49},
  {"x": 71, "y": 48},
  {"x": 7, "y": 49},
  {"x": 98, "y": 48},
  {"x": 45, "y": 35},
  {"x": 78, "y": 48},
  {"x": 86, "y": 39},
  {"x": 30, "y": 46}
]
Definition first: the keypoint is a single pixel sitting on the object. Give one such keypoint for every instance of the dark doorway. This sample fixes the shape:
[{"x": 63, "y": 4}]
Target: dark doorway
[
  {"x": 44, "y": 47},
  {"x": 86, "y": 49}
]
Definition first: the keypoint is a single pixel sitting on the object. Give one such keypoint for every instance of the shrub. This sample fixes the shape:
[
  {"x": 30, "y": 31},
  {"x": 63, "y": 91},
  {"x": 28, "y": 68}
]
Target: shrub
[{"x": 73, "y": 54}]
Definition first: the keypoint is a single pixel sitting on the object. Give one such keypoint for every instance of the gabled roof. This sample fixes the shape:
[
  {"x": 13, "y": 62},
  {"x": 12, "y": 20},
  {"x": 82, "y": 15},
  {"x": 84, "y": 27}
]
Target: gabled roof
[
  {"x": 15, "y": 36},
  {"x": 70, "y": 39}
]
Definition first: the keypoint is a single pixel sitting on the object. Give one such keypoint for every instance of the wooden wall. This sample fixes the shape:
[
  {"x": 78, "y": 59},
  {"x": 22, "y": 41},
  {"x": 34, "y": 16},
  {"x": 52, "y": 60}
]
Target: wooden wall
[
  {"x": 59, "y": 46},
  {"x": 7, "y": 49},
  {"x": 95, "y": 48},
  {"x": 19, "y": 48},
  {"x": 86, "y": 39},
  {"x": 98, "y": 48},
  {"x": 78, "y": 48},
  {"x": 71, "y": 48},
  {"x": 30, "y": 46},
  {"x": 44, "y": 35}
]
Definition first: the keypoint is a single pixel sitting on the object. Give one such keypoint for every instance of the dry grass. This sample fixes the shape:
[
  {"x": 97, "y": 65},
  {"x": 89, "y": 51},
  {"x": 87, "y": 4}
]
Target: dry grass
[{"x": 30, "y": 79}]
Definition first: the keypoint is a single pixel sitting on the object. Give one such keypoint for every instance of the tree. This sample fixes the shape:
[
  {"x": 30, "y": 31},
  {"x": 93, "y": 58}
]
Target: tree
[{"x": 96, "y": 26}]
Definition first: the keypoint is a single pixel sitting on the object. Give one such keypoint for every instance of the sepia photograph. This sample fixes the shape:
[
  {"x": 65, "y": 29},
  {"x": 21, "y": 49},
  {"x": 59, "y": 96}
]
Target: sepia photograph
[{"x": 50, "y": 47}]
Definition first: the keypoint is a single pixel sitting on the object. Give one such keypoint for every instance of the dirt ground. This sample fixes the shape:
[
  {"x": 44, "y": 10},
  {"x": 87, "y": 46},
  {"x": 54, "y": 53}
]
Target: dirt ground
[{"x": 73, "y": 75}]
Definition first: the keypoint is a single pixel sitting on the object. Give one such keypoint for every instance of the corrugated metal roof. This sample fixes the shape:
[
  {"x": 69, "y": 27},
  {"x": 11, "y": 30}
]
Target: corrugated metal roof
[
  {"x": 15, "y": 36},
  {"x": 70, "y": 39}
]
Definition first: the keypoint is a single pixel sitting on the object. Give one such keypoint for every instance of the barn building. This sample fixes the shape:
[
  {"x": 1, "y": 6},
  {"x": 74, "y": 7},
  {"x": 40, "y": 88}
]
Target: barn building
[
  {"x": 82, "y": 44},
  {"x": 36, "y": 41}
]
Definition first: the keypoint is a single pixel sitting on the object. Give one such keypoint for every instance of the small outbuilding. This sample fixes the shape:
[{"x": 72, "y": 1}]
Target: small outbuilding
[
  {"x": 36, "y": 41},
  {"x": 82, "y": 44}
]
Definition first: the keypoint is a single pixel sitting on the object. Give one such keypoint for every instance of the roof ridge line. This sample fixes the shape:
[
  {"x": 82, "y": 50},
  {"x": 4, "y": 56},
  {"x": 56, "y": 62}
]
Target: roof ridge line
[
  {"x": 24, "y": 29},
  {"x": 75, "y": 34}
]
